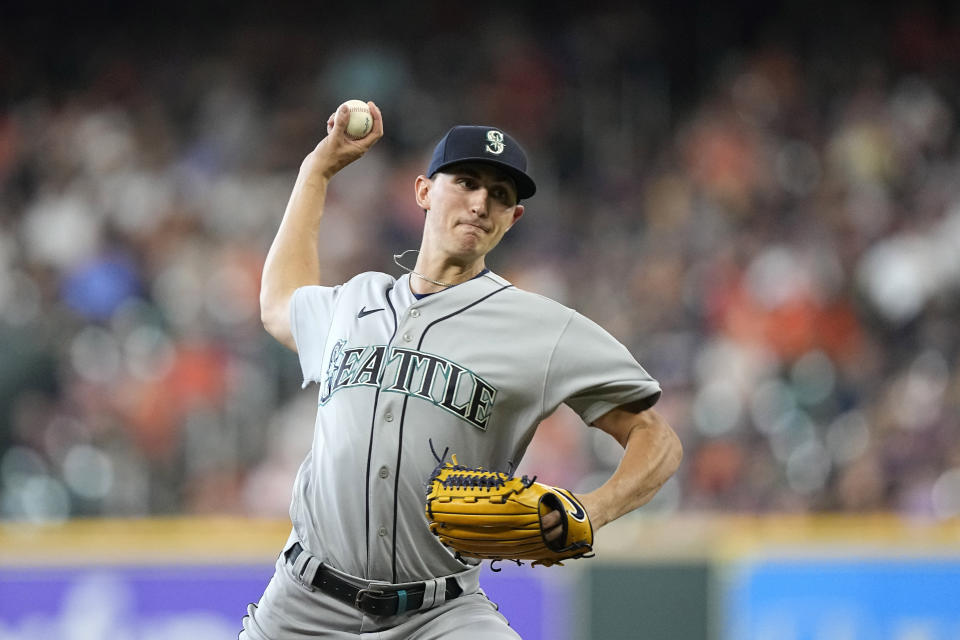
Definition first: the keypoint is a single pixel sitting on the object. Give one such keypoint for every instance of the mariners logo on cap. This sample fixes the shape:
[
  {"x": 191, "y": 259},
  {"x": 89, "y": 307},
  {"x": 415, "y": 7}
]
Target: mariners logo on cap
[{"x": 494, "y": 142}]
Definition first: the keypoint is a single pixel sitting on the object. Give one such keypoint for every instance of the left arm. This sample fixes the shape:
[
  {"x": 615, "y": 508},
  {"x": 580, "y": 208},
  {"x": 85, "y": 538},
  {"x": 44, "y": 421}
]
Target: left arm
[
  {"x": 652, "y": 453},
  {"x": 590, "y": 366}
]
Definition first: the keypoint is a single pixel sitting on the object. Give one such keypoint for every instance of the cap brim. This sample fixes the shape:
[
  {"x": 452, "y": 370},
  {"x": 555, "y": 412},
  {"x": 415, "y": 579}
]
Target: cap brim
[{"x": 526, "y": 188}]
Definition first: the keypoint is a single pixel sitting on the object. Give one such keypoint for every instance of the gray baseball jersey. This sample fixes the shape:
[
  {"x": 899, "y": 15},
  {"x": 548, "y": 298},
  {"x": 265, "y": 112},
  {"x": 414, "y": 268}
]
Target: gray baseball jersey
[{"x": 471, "y": 370}]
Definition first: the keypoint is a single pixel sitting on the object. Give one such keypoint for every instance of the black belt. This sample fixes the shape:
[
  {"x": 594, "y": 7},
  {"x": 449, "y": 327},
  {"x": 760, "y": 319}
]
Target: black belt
[{"x": 377, "y": 600}]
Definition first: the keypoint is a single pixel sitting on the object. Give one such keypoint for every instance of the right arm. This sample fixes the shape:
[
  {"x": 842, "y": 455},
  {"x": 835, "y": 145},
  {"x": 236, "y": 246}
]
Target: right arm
[{"x": 293, "y": 260}]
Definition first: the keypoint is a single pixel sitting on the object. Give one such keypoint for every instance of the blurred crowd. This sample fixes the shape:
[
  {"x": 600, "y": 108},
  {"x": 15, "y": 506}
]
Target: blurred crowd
[{"x": 775, "y": 235}]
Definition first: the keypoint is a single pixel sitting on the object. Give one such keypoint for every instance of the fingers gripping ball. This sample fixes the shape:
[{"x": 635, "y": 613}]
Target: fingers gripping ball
[
  {"x": 493, "y": 516},
  {"x": 361, "y": 121}
]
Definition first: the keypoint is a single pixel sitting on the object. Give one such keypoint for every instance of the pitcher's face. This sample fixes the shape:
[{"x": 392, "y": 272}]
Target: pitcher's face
[{"x": 470, "y": 207}]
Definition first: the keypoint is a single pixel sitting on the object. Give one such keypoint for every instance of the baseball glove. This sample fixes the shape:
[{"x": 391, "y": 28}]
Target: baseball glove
[{"x": 494, "y": 516}]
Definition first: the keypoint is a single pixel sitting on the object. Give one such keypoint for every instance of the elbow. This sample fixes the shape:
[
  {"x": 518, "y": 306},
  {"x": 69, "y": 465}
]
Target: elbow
[
  {"x": 267, "y": 311},
  {"x": 267, "y": 321},
  {"x": 666, "y": 443},
  {"x": 669, "y": 450},
  {"x": 271, "y": 319},
  {"x": 274, "y": 315},
  {"x": 674, "y": 451}
]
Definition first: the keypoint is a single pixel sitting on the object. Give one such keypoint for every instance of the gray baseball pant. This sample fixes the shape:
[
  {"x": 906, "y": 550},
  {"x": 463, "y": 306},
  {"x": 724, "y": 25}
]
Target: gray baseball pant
[{"x": 290, "y": 610}]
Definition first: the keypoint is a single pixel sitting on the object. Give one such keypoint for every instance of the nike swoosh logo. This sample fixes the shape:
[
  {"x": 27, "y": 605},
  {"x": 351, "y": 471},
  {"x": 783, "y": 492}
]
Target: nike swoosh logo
[
  {"x": 365, "y": 312},
  {"x": 578, "y": 514}
]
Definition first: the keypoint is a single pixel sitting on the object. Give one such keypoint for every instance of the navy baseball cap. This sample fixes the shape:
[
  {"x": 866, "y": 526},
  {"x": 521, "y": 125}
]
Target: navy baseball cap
[{"x": 489, "y": 145}]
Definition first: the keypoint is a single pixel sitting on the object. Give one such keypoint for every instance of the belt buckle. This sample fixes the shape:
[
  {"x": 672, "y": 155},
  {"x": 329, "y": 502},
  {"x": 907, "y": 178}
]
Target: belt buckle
[
  {"x": 401, "y": 595},
  {"x": 362, "y": 592}
]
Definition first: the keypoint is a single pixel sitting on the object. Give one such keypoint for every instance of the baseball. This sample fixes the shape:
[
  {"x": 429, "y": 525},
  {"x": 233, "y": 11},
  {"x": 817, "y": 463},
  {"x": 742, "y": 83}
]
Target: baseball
[{"x": 361, "y": 122}]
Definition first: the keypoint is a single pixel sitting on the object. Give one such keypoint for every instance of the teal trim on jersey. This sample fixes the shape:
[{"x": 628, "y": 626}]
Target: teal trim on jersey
[{"x": 401, "y": 601}]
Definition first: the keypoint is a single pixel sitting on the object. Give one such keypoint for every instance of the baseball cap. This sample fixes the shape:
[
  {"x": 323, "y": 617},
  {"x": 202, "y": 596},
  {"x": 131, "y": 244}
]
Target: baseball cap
[{"x": 489, "y": 145}]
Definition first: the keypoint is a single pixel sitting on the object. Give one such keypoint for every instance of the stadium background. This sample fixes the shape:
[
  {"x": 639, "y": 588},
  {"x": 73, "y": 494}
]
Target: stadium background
[{"x": 761, "y": 200}]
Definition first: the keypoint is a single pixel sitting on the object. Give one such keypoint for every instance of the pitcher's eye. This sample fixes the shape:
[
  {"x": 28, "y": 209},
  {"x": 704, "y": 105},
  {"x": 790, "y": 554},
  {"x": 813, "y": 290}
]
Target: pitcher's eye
[{"x": 503, "y": 195}]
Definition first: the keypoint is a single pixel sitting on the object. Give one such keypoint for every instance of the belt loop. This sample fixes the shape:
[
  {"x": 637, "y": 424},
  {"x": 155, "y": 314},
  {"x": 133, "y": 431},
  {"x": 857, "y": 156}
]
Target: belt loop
[
  {"x": 304, "y": 568},
  {"x": 440, "y": 591},
  {"x": 434, "y": 592},
  {"x": 300, "y": 564},
  {"x": 309, "y": 572},
  {"x": 429, "y": 591}
]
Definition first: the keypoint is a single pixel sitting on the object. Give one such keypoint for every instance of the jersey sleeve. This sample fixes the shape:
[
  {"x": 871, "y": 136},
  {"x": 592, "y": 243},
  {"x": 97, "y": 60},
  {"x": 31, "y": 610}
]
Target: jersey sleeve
[
  {"x": 592, "y": 372},
  {"x": 311, "y": 313}
]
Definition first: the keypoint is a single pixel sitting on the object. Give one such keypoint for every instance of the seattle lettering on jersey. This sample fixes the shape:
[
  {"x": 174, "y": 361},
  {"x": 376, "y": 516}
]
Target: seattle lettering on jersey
[{"x": 423, "y": 375}]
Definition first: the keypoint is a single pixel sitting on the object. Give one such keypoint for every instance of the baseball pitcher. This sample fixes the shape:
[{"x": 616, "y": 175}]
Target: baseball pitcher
[{"x": 429, "y": 389}]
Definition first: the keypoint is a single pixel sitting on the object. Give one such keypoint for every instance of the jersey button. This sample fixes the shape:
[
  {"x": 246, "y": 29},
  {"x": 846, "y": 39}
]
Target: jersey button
[
  {"x": 388, "y": 417},
  {"x": 407, "y": 337},
  {"x": 415, "y": 313},
  {"x": 382, "y": 531},
  {"x": 384, "y": 472}
]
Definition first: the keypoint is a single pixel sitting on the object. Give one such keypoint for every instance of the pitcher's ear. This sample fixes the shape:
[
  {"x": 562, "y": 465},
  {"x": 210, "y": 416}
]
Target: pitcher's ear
[
  {"x": 517, "y": 213},
  {"x": 422, "y": 191}
]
